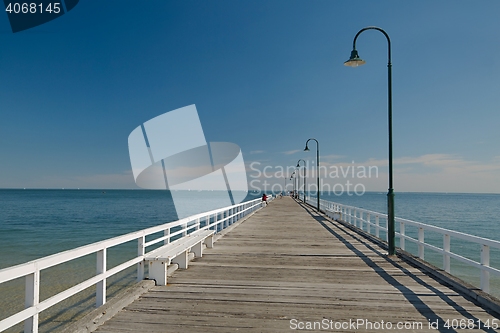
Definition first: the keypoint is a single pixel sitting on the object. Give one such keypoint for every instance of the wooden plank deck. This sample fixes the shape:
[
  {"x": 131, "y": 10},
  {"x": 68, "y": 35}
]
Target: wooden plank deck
[{"x": 286, "y": 266}]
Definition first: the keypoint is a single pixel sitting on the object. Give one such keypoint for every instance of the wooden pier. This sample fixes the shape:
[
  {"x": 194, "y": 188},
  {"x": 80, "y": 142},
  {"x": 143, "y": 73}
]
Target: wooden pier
[{"x": 285, "y": 268}]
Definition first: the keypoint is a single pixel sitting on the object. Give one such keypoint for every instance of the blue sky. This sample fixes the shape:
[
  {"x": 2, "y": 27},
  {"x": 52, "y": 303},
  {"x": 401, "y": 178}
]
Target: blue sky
[{"x": 266, "y": 75}]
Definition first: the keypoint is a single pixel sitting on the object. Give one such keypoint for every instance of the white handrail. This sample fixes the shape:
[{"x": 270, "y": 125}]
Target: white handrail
[
  {"x": 356, "y": 216},
  {"x": 221, "y": 219}
]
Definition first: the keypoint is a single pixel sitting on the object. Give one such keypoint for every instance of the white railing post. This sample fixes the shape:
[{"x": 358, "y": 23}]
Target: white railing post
[
  {"x": 361, "y": 220},
  {"x": 140, "y": 253},
  {"x": 101, "y": 285},
  {"x": 31, "y": 298},
  {"x": 402, "y": 235},
  {"x": 198, "y": 221},
  {"x": 446, "y": 256},
  {"x": 350, "y": 217},
  {"x": 221, "y": 223},
  {"x": 166, "y": 232},
  {"x": 421, "y": 243},
  {"x": 377, "y": 226},
  {"x": 368, "y": 223},
  {"x": 485, "y": 275},
  {"x": 387, "y": 228}
]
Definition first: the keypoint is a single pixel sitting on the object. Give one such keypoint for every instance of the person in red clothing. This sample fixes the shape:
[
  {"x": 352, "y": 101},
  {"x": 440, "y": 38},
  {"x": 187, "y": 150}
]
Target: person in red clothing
[{"x": 264, "y": 200}]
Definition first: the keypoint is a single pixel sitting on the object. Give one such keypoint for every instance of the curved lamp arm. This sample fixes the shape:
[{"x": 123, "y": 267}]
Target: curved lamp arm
[{"x": 378, "y": 29}]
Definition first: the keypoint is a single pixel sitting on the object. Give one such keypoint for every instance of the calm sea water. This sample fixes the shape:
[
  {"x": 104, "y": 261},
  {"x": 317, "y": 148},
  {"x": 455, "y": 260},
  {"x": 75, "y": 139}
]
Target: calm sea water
[{"x": 37, "y": 223}]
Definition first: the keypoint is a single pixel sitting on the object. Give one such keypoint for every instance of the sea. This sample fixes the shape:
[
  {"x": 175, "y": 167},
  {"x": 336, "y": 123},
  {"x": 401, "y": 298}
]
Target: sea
[{"x": 35, "y": 223}]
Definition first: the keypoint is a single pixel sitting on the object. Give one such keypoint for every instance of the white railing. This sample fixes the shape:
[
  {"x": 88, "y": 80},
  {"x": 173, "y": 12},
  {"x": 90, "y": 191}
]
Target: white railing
[
  {"x": 369, "y": 221},
  {"x": 217, "y": 220}
]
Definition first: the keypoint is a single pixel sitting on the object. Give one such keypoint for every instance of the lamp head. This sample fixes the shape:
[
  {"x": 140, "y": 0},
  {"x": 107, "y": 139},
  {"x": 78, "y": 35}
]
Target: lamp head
[
  {"x": 297, "y": 165},
  {"x": 354, "y": 60},
  {"x": 306, "y": 148}
]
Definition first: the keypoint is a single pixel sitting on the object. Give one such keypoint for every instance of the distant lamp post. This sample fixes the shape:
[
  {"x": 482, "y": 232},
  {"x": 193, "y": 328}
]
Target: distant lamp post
[
  {"x": 284, "y": 189},
  {"x": 303, "y": 176},
  {"x": 355, "y": 61},
  {"x": 317, "y": 164}
]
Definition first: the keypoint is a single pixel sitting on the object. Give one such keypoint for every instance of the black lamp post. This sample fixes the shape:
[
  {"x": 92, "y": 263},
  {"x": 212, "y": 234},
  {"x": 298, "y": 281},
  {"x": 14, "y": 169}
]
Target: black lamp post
[
  {"x": 317, "y": 164},
  {"x": 355, "y": 61},
  {"x": 303, "y": 177},
  {"x": 293, "y": 184},
  {"x": 297, "y": 184},
  {"x": 284, "y": 189}
]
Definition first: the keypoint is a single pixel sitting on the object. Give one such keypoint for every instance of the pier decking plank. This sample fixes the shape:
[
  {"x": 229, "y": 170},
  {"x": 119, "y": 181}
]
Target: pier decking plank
[{"x": 287, "y": 262}]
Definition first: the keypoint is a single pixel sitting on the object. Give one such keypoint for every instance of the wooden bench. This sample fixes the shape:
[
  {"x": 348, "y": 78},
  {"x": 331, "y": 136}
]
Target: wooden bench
[{"x": 177, "y": 252}]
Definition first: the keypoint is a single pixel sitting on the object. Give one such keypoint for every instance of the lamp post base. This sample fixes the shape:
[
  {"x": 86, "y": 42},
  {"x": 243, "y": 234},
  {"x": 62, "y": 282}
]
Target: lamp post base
[{"x": 391, "y": 232}]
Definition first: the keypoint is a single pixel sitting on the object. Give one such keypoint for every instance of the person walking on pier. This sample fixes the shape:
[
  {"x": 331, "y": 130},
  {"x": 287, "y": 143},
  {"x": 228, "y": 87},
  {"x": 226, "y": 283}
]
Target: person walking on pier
[{"x": 264, "y": 200}]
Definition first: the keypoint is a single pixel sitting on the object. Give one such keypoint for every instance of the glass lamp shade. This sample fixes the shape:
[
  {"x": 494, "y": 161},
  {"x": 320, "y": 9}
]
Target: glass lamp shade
[{"x": 354, "y": 60}]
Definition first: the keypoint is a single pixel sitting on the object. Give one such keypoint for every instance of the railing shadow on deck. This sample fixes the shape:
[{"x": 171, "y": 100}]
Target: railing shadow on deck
[{"x": 409, "y": 294}]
